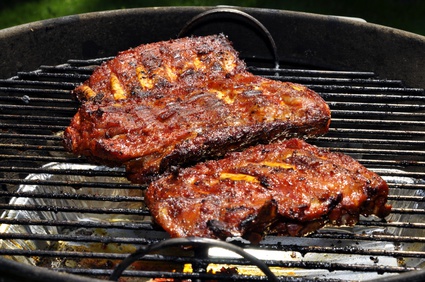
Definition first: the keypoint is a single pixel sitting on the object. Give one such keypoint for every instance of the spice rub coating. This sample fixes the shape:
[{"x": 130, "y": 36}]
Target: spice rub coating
[
  {"x": 285, "y": 188},
  {"x": 193, "y": 103},
  {"x": 162, "y": 67}
]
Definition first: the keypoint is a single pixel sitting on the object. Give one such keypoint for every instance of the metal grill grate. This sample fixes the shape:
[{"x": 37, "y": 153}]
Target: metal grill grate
[{"x": 63, "y": 214}]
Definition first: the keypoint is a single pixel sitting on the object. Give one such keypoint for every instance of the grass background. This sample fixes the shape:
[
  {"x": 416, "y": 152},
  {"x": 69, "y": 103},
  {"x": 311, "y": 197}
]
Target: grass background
[{"x": 407, "y": 15}]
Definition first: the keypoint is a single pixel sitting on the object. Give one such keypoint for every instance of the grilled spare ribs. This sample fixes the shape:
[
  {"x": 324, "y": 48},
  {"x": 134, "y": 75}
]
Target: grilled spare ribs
[
  {"x": 177, "y": 102},
  {"x": 285, "y": 188}
]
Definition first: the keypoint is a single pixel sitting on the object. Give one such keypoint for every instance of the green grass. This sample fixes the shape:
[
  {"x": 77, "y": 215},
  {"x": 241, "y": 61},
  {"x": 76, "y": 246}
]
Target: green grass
[
  {"x": 24, "y": 11},
  {"x": 402, "y": 14}
]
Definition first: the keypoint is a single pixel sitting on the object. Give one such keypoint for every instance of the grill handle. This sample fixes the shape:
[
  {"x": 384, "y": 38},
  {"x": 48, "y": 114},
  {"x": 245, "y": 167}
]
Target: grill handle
[
  {"x": 245, "y": 16},
  {"x": 190, "y": 242}
]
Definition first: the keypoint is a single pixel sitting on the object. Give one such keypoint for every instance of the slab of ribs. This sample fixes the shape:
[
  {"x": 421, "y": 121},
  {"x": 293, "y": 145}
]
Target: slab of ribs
[
  {"x": 160, "y": 108},
  {"x": 285, "y": 188}
]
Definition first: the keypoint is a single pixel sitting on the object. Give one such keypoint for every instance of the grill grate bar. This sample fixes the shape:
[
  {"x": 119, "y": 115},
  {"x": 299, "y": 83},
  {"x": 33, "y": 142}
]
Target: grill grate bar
[
  {"x": 405, "y": 186},
  {"x": 32, "y": 91},
  {"x": 79, "y": 238},
  {"x": 383, "y": 152},
  {"x": 312, "y": 72},
  {"x": 33, "y": 126},
  {"x": 53, "y": 127},
  {"x": 374, "y": 106},
  {"x": 408, "y": 211},
  {"x": 358, "y": 122},
  {"x": 46, "y": 159},
  {"x": 406, "y": 198},
  {"x": 371, "y": 97},
  {"x": 30, "y": 136},
  {"x": 62, "y": 76},
  {"x": 38, "y": 83},
  {"x": 375, "y": 132},
  {"x": 38, "y": 118},
  {"x": 367, "y": 237},
  {"x": 85, "y": 172},
  {"x": 377, "y": 114},
  {"x": 76, "y": 184},
  {"x": 43, "y": 109},
  {"x": 370, "y": 89},
  {"x": 351, "y": 250},
  {"x": 369, "y": 141},
  {"x": 340, "y": 80},
  {"x": 68, "y": 254},
  {"x": 337, "y": 266},
  {"x": 95, "y": 61},
  {"x": 68, "y": 68},
  {"x": 391, "y": 163},
  {"x": 414, "y": 225},
  {"x": 67, "y": 196},
  {"x": 31, "y": 147},
  {"x": 56, "y": 209},
  {"x": 134, "y": 225}
]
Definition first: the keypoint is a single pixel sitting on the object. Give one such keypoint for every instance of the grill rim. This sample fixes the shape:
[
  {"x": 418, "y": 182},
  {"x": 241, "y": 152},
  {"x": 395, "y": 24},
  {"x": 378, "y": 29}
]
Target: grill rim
[{"x": 92, "y": 280}]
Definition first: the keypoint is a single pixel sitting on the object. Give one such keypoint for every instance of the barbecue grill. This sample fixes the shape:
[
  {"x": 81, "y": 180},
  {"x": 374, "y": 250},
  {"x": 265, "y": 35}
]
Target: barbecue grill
[{"x": 62, "y": 218}]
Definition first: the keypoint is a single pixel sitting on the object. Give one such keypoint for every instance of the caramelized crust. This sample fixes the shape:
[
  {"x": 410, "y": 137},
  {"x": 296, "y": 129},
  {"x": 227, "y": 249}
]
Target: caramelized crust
[
  {"x": 287, "y": 188},
  {"x": 178, "y": 102},
  {"x": 162, "y": 67}
]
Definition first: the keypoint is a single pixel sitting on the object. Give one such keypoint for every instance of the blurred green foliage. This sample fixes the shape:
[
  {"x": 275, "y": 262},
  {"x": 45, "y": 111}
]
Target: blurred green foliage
[{"x": 402, "y": 14}]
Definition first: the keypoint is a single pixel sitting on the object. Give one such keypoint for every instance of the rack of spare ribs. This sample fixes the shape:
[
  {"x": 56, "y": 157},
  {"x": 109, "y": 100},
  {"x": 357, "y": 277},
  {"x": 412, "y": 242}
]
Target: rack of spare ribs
[{"x": 70, "y": 213}]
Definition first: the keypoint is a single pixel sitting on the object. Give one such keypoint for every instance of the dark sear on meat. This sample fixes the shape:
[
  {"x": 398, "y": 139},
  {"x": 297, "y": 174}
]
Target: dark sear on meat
[
  {"x": 177, "y": 102},
  {"x": 286, "y": 188}
]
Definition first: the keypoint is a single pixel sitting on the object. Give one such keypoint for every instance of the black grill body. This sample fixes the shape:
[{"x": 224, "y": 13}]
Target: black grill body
[
  {"x": 60, "y": 213},
  {"x": 323, "y": 41}
]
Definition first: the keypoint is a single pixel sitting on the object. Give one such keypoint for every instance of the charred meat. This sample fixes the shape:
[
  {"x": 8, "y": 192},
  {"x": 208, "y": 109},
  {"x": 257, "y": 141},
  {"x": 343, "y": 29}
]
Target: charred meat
[
  {"x": 286, "y": 188},
  {"x": 177, "y": 102},
  {"x": 181, "y": 65}
]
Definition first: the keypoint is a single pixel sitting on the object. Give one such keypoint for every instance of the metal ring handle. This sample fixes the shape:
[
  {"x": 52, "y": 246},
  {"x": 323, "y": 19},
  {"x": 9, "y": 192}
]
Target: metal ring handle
[
  {"x": 194, "y": 242},
  {"x": 250, "y": 19}
]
